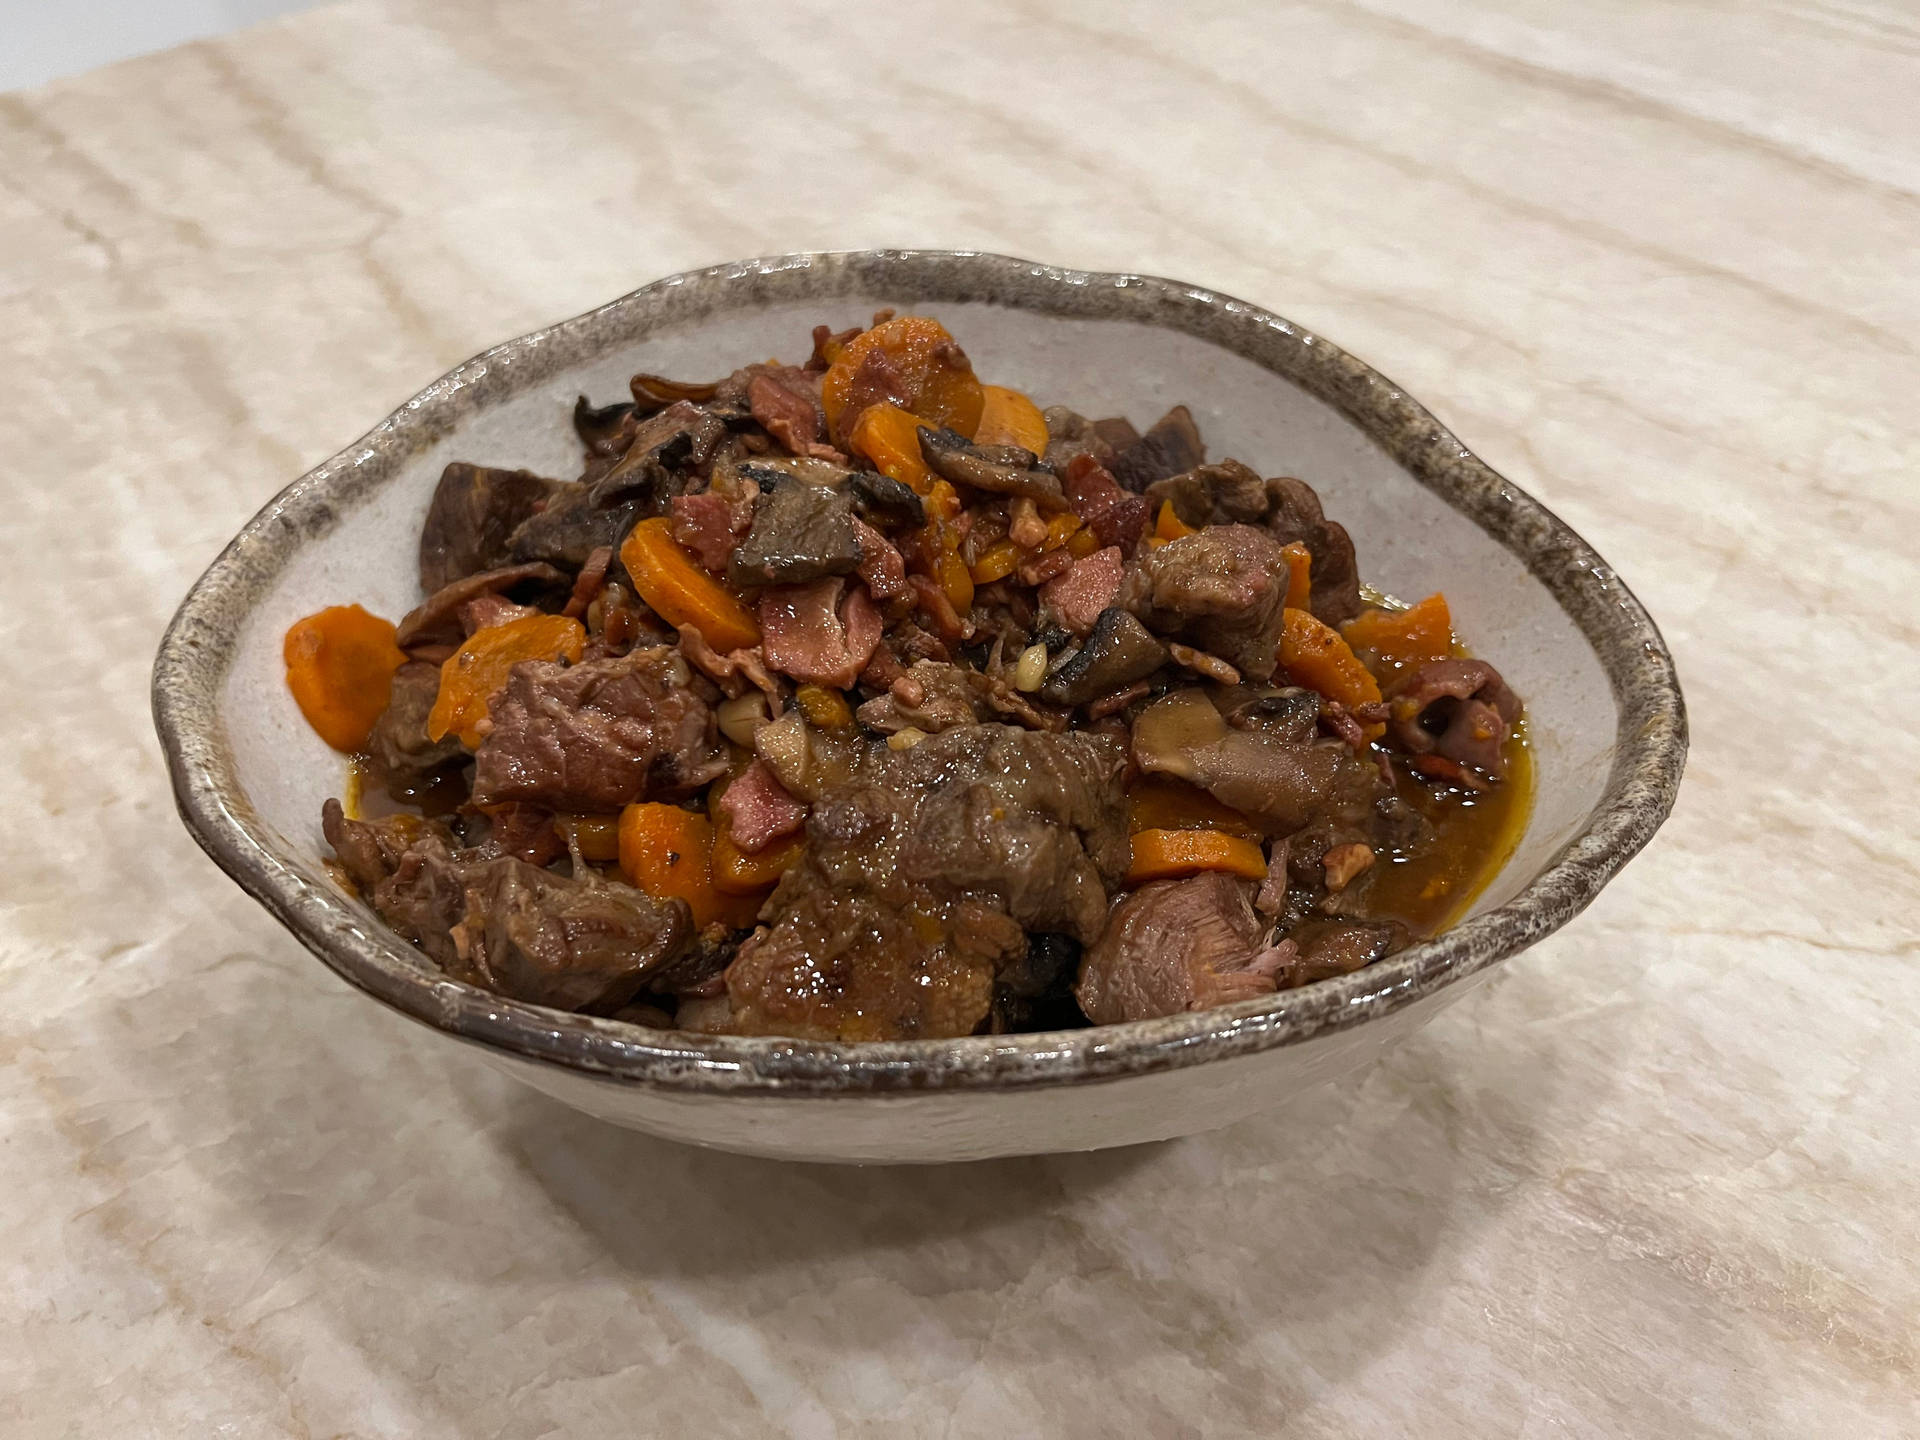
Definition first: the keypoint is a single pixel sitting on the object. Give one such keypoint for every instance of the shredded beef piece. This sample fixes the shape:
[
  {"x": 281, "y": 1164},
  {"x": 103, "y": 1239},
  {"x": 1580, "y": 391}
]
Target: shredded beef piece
[
  {"x": 1296, "y": 515},
  {"x": 1175, "y": 945},
  {"x": 1227, "y": 493},
  {"x": 931, "y": 696},
  {"x": 599, "y": 735},
  {"x": 734, "y": 672}
]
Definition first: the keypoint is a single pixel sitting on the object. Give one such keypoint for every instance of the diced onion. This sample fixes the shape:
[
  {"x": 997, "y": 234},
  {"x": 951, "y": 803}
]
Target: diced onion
[{"x": 741, "y": 718}]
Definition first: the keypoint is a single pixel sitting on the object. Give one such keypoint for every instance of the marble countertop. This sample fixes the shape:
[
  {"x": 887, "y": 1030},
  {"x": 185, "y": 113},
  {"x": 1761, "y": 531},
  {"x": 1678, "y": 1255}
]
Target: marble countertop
[{"x": 1658, "y": 1177}]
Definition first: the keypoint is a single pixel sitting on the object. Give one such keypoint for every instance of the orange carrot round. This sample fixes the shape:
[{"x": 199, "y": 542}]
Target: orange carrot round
[
  {"x": 668, "y": 852},
  {"x": 1168, "y": 854},
  {"x": 1404, "y": 637},
  {"x": 681, "y": 592},
  {"x": 939, "y": 383},
  {"x": 1009, "y": 418},
  {"x": 1316, "y": 656},
  {"x": 890, "y": 438},
  {"x": 474, "y": 673},
  {"x": 340, "y": 663}
]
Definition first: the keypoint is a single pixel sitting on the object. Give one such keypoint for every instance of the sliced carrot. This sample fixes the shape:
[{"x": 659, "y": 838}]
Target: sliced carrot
[
  {"x": 1060, "y": 529},
  {"x": 340, "y": 663},
  {"x": 474, "y": 673},
  {"x": 1009, "y": 418},
  {"x": 1167, "y": 854},
  {"x": 1159, "y": 802},
  {"x": 997, "y": 563},
  {"x": 955, "y": 579},
  {"x": 675, "y": 585},
  {"x": 735, "y": 872},
  {"x": 938, "y": 381},
  {"x": 1316, "y": 656},
  {"x": 668, "y": 852},
  {"x": 1404, "y": 637},
  {"x": 1299, "y": 574},
  {"x": 1169, "y": 525},
  {"x": 890, "y": 438},
  {"x": 1082, "y": 543}
]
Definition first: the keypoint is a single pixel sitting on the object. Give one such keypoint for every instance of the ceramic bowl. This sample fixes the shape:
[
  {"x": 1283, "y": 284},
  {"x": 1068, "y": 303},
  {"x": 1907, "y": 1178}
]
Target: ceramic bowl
[{"x": 1605, "y": 710}]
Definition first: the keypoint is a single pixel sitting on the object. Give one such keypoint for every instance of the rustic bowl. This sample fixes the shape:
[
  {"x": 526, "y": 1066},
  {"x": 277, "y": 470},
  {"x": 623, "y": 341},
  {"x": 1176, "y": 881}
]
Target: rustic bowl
[{"x": 1606, "y": 715}]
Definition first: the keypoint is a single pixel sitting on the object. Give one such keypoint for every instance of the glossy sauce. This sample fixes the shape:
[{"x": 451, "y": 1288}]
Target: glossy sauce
[{"x": 1475, "y": 833}]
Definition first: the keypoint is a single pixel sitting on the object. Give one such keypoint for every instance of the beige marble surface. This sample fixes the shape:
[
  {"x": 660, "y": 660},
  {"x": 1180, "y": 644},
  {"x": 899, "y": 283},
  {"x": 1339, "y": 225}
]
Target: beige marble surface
[{"x": 1658, "y": 1178}]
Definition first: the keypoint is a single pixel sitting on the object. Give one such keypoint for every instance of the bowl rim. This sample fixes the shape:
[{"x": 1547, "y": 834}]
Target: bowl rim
[{"x": 196, "y": 652}]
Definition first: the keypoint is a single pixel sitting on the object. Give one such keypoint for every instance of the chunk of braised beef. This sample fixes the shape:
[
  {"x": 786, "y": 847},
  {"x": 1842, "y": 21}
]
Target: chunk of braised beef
[
  {"x": 1226, "y": 493},
  {"x": 1223, "y": 589},
  {"x": 472, "y": 517},
  {"x": 800, "y": 533},
  {"x": 599, "y": 735},
  {"x": 930, "y": 697},
  {"x": 1172, "y": 445},
  {"x": 1175, "y": 945},
  {"x": 572, "y": 944},
  {"x": 398, "y": 746},
  {"x": 919, "y": 874}
]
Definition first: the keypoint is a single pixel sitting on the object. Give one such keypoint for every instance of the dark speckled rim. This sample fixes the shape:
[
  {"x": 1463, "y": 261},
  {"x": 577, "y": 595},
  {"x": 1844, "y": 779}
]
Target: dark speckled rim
[{"x": 1649, "y": 753}]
